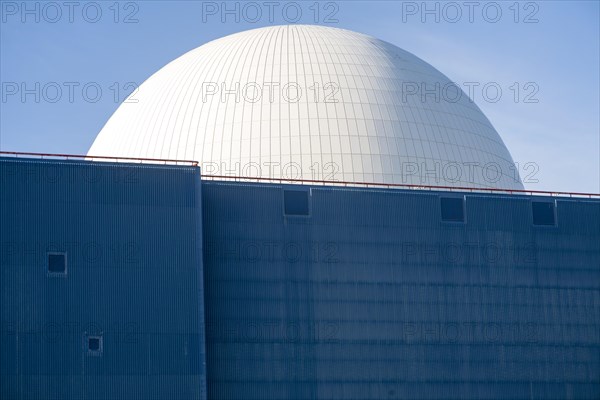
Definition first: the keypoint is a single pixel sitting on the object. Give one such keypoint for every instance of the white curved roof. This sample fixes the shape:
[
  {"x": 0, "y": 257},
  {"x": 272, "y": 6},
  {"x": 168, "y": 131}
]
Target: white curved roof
[{"x": 310, "y": 102}]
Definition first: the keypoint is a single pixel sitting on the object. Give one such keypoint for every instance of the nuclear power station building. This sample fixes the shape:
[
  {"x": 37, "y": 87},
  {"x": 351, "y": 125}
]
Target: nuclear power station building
[{"x": 349, "y": 226}]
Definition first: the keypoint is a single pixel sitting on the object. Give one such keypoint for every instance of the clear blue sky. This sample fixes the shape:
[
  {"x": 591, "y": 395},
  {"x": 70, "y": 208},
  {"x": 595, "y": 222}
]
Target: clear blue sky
[{"x": 550, "y": 49}]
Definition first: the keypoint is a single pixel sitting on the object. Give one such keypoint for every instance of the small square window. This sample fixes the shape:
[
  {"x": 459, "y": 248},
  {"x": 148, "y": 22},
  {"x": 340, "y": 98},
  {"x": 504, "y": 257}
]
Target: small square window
[
  {"x": 94, "y": 345},
  {"x": 543, "y": 213},
  {"x": 57, "y": 263},
  {"x": 453, "y": 209},
  {"x": 295, "y": 202}
]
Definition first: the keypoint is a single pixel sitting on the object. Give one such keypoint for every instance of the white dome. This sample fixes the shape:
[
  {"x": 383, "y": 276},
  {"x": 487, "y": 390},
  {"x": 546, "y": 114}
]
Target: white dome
[{"x": 310, "y": 102}]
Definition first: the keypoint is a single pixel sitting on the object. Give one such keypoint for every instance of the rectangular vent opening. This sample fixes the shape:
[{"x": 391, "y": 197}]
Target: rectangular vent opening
[
  {"x": 543, "y": 213},
  {"x": 57, "y": 263},
  {"x": 94, "y": 345},
  {"x": 453, "y": 209},
  {"x": 295, "y": 202}
]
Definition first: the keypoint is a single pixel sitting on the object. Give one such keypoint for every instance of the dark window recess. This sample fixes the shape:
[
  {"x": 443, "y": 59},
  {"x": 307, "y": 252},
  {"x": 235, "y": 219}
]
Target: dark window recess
[
  {"x": 94, "y": 344},
  {"x": 295, "y": 202},
  {"x": 57, "y": 263},
  {"x": 543, "y": 213},
  {"x": 453, "y": 209}
]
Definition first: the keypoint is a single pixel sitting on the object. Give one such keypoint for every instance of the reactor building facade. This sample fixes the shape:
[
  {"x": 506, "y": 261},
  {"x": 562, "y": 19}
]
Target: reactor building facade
[{"x": 352, "y": 227}]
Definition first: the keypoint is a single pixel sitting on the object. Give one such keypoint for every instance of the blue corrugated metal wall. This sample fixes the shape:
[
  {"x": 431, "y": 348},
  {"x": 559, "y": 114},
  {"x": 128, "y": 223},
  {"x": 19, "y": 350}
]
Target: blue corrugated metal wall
[
  {"x": 373, "y": 297},
  {"x": 132, "y": 234},
  {"x": 369, "y": 296}
]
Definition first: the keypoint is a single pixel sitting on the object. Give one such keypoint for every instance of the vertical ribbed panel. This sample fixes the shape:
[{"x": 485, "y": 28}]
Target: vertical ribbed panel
[
  {"x": 370, "y": 296},
  {"x": 373, "y": 297},
  {"x": 132, "y": 234}
]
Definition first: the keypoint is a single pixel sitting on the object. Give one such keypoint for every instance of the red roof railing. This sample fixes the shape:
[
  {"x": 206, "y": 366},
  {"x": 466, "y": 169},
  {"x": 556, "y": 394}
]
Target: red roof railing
[
  {"x": 304, "y": 181},
  {"x": 403, "y": 186},
  {"x": 93, "y": 158}
]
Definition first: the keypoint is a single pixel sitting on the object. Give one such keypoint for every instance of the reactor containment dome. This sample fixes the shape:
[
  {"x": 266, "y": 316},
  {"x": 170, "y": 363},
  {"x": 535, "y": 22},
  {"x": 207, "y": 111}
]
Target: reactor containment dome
[{"x": 310, "y": 102}]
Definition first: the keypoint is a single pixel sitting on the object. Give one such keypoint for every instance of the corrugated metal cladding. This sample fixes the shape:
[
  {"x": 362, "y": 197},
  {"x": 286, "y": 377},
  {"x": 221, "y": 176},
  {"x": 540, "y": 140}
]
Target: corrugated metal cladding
[
  {"x": 123, "y": 281},
  {"x": 372, "y": 296},
  {"x": 126, "y": 321}
]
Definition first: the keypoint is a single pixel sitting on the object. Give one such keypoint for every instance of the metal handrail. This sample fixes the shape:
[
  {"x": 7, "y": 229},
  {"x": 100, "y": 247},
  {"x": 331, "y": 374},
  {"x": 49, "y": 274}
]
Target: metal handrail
[
  {"x": 309, "y": 181},
  {"x": 92, "y": 158},
  {"x": 401, "y": 185}
]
